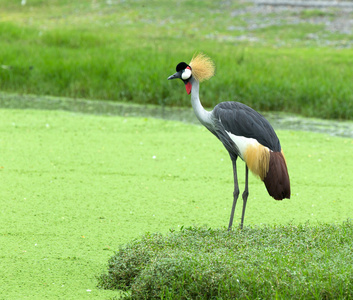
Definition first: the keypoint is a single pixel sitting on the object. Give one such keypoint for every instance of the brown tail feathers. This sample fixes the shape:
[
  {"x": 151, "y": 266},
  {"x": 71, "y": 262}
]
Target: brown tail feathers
[{"x": 277, "y": 178}]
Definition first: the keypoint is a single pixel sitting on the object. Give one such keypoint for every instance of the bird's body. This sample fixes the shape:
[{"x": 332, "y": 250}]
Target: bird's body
[
  {"x": 244, "y": 133},
  {"x": 255, "y": 142}
]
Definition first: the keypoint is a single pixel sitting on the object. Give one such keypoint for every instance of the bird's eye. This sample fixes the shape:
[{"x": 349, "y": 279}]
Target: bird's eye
[{"x": 186, "y": 74}]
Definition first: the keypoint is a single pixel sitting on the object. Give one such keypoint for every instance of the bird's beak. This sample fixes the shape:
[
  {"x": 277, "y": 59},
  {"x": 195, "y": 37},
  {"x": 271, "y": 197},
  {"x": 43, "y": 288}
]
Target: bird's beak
[
  {"x": 187, "y": 83},
  {"x": 174, "y": 76}
]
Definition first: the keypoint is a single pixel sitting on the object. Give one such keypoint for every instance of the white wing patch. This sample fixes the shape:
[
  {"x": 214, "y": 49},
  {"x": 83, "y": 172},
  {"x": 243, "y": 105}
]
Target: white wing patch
[
  {"x": 255, "y": 155},
  {"x": 242, "y": 142}
]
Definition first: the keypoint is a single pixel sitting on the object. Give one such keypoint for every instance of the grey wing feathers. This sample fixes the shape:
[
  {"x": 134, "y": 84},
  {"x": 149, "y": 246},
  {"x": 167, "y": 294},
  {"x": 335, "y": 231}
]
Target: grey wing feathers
[{"x": 241, "y": 120}]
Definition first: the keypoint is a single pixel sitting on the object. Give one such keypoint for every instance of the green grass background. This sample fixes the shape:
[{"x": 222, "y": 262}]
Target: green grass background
[
  {"x": 76, "y": 186},
  {"x": 124, "y": 51}
]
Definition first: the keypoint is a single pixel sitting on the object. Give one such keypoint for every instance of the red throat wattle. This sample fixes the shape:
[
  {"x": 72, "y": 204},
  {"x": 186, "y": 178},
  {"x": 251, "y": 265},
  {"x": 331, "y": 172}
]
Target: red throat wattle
[{"x": 188, "y": 87}]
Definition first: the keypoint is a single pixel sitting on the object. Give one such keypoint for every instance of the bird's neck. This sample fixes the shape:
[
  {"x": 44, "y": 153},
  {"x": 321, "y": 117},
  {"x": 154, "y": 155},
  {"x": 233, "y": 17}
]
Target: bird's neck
[{"x": 203, "y": 115}]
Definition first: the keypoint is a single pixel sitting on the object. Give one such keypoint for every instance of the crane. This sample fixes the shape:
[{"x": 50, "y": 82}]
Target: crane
[{"x": 244, "y": 132}]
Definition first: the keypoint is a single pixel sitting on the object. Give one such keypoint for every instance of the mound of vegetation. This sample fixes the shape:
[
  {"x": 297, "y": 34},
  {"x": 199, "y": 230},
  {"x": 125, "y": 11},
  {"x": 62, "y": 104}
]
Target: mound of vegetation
[{"x": 267, "y": 262}]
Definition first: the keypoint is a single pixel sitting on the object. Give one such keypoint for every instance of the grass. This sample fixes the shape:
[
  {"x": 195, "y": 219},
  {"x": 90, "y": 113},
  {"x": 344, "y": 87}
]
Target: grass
[
  {"x": 77, "y": 186},
  {"x": 317, "y": 13},
  {"x": 270, "y": 262},
  {"x": 125, "y": 51}
]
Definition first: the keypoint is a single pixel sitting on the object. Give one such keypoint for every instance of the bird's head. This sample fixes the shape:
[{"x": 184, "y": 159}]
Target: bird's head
[
  {"x": 200, "y": 68},
  {"x": 184, "y": 72}
]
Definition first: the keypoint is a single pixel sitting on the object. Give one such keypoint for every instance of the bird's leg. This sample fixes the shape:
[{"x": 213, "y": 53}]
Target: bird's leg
[
  {"x": 235, "y": 194},
  {"x": 245, "y": 196}
]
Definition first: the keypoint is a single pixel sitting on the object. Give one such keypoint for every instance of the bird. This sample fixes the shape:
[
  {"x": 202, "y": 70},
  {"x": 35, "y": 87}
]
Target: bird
[{"x": 244, "y": 132}]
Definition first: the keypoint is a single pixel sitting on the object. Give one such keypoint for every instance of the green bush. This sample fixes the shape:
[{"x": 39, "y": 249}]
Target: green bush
[{"x": 285, "y": 262}]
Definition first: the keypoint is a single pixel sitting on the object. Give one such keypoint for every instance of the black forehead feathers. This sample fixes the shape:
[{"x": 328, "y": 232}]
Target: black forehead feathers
[{"x": 181, "y": 66}]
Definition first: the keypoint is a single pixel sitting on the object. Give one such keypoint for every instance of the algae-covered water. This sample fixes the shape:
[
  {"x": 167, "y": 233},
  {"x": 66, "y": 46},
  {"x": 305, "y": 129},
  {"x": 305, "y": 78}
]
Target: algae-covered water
[{"x": 75, "y": 186}]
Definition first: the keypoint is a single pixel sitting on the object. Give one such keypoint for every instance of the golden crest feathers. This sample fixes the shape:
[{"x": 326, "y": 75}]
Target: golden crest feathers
[{"x": 202, "y": 67}]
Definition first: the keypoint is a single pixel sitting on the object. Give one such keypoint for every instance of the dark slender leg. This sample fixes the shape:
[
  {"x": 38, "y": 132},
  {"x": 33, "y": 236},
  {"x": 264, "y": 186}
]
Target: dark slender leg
[
  {"x": 235, "y": 194},
  {"x": 245, "y": 196}
]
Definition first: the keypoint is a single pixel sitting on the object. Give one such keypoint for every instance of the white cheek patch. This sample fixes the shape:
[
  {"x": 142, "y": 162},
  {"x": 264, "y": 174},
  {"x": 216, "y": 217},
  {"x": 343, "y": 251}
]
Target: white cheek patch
[{"x": 186, "y": 74}]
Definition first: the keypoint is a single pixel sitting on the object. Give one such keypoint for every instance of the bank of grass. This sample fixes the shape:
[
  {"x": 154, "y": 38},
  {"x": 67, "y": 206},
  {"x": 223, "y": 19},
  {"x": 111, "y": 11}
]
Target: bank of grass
[
  {"x": 267, "y": 262},
  {"x": 74, "y": 187},
  {"x": 125, "y": 51}
]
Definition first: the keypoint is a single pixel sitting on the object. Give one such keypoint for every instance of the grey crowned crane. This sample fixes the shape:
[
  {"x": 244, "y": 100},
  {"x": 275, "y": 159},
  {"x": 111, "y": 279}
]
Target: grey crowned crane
[{"x": 244, "y": 133}]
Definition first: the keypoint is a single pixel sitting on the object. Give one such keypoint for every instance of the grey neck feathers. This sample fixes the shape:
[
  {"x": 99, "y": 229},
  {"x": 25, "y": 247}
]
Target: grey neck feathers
[{"x": 203, "y": 115}]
